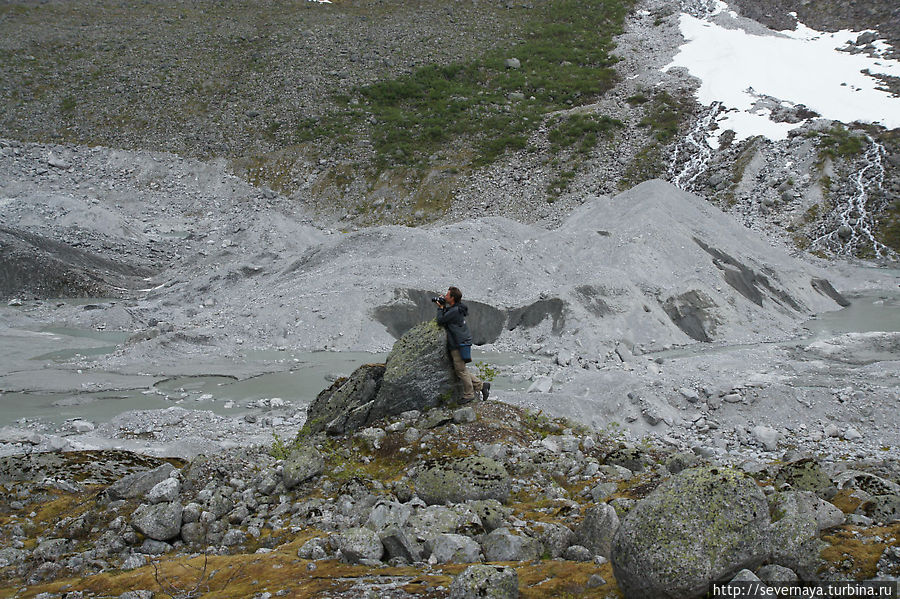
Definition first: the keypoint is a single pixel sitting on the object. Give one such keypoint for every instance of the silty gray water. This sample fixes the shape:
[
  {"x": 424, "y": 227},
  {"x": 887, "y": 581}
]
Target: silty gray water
[{"x": 51, "y": 390}]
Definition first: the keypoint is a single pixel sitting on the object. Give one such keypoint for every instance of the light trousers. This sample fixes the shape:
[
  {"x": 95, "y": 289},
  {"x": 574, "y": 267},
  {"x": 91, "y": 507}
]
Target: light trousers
[{"x": 470, "y": 382}]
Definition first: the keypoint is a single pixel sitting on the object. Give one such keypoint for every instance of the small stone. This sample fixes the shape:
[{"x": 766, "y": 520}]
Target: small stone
[
  {"x": 578, "y": 553},
  {"x": 776, "y": 573},
  {"x": 165, "y": 491},
  {"x": 512, "y": 63},
  {"x": 766, "y": 436},
  {"x": 463, "y": 415},
  {"x": 134, "y": 561},
  {"x": 82, "y": 426},
  {"x": 542, "y": 384},
  {"x": 851, "y": 434},
  {"x": 745, "y": 575},
  {"x": 234, "y": 537}
]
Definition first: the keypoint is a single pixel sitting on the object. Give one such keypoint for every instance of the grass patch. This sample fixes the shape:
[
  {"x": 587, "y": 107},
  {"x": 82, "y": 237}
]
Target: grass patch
[
  {"x": 67, "y": 104},
  {"x": 565, "y": 62},
  {"x": 838, "y": 142},
  {"x": 664, "y": 116},
  {"x": 580, "y": 132}
]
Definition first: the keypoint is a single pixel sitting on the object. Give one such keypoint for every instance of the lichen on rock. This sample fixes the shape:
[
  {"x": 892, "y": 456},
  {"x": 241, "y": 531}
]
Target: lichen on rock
[{"x": 703, "y": 525}]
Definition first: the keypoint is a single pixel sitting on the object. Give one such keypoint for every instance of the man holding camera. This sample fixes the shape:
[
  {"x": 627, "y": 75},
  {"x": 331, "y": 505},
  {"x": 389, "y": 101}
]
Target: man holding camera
[{"x": 452, "y": 316}]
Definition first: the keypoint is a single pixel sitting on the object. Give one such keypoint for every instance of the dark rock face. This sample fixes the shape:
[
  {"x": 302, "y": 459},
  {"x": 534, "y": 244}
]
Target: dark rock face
[
  {"x": 411, "y": 306},
  {"x": 346, "y": 404},
  {"x": 36, "y": 266},
  {"x": 694, "y": 313},
  {"x": 418, "y": 375}
]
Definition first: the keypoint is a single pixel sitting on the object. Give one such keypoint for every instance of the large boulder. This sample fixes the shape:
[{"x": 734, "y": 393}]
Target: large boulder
[
  {"x": 598, "y": 529},
  {"x": 161, "y": 521},
  {"x": 418, "y": 375},
  {"x": 455, "y": 480},
  {"x": 138, "y": 484},
  {"x": 346, "y": 404},
  {"x": 702, "y": 525},
  {"x": 503, "y": 546},
  {"x": 359, "y": 545}
]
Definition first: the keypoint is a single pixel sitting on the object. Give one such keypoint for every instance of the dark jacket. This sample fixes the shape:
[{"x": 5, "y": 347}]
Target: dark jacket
[{"x": 453, "y": 318}]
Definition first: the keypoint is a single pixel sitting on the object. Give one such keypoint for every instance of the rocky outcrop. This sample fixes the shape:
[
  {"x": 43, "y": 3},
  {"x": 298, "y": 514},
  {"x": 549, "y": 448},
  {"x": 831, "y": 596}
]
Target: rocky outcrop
[
  {"x": 418, "y": 375},
  {"x": 346, "y": 404},
  {"x": 702, "y": 525}
]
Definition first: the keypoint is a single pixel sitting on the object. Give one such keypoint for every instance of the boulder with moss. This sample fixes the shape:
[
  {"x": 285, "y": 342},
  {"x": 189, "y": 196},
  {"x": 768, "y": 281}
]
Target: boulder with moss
[
  {"x": 702, "y": 525},
  {"x": 417, "y": 375},
  {"x": 804, "y": 475},
  {"x": 346, "y": 404},
  {"x": 455, "y": 480}
]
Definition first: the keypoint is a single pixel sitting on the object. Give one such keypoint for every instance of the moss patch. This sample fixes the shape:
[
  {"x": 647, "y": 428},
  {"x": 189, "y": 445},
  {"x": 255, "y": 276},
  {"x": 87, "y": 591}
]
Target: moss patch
[{"x": 855, "y": 552}]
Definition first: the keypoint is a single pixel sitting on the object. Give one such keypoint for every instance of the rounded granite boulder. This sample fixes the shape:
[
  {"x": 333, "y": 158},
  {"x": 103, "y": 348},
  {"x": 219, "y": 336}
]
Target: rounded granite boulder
[
  {"x": 455, "y": 480},
  {"x": 700, "y": 526}
]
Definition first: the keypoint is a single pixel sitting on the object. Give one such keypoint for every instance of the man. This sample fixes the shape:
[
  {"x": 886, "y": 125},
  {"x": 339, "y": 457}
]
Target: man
[{"x": 452, "y": 316}]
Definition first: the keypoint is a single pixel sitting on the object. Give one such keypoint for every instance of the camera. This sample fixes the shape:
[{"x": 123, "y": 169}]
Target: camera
[{"x": 439, "y": 300}]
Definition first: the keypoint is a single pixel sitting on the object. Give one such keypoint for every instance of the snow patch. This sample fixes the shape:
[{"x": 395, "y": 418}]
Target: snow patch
[{"x": 745, "y": 72}]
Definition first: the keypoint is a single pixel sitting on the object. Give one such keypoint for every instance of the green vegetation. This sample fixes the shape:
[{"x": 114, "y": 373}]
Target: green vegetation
[
  {"x": 580, "y": 132},
  {"x": 486, "y": 372},
  {"x": 838, "y": 142},
  {"x": 487, "y": 105},
  {"x": 663, "y": 116},
  {"x": 67, "y": 104},
  {"x": 888, "y": 227}
]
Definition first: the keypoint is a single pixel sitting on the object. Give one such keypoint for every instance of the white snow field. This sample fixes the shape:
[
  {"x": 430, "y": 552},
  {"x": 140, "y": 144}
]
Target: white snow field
[{"x": 750, "y": 74}]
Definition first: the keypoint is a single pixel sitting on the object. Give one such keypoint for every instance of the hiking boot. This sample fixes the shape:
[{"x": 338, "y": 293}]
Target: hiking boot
[
  {"x": 485, "y": 391},
  {"x": 464, "y": 400}
]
